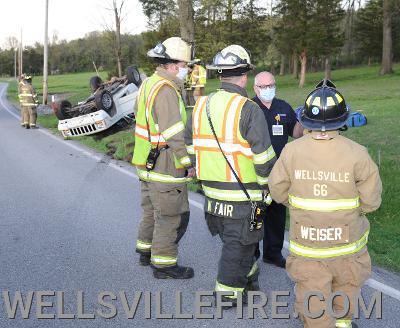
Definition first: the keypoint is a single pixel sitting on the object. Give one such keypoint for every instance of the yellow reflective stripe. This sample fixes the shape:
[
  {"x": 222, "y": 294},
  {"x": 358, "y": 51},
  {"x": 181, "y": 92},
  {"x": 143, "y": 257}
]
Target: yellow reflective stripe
[
  {"x": 28, "y": 104},
  {"x": 185, "y": 161},
  {"x": 163, "y": 260},
  {"x": 190, "y": 149},
  {"x": 253, "y": 270},
  {"x": 159, "y": 177},
  {"x": 264, "y": 157},
  {"x": 233, "y": 195},
  {"x": 224, "y": 288},
  {"x": 324, "y": 205},
  {"x": 173, "y": 130},
  {"x": 262, "y": 180},
  {"x": 26, "y": 95},
  {"x": 343, "y": 323},
  {"x": 143, "y": 245},
  {"x": 196, "y": 114},
  {"x": 226, "y": 147},
  {"x": 330, "y": 251},
  {"x": 145, "y": 134},
  {"x": 268, "y": 200}
]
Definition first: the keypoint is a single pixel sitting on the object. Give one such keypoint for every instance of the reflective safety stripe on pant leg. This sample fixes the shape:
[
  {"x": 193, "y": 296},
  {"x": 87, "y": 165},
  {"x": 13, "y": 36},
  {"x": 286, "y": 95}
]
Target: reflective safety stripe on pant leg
[
  {"x": 343, "y": 323},
  {"x": 224, "y": 288},
  {"x": 160, "y": 261},
  {"x": 253, "y": 270},
  {"x": 143, "y": 245}
]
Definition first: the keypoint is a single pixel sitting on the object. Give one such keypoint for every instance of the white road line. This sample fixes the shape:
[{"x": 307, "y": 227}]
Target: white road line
[{"x": 385, "y": 289}]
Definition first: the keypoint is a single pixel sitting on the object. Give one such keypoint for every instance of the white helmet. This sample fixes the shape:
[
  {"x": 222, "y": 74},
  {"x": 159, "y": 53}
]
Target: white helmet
[
  {"x": 233, "y": 57},
  {"x": 172, "y": 48}
]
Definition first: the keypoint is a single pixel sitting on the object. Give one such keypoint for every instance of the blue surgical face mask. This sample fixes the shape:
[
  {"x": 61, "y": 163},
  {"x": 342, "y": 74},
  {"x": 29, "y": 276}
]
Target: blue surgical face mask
[{"x": 267, "y": 94}]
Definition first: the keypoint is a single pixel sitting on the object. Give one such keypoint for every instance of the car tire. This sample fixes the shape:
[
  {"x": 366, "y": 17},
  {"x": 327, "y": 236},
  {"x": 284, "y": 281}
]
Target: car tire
[
  {"x": 95, "y": 83},
  {"x": 63, "y": 112},
  {"x": 104, "y": 101},
  {"x": 133, "y": 75}
]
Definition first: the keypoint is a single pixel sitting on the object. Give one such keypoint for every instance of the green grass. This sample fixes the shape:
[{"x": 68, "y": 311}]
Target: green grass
[{"x": 376, "y": 96}]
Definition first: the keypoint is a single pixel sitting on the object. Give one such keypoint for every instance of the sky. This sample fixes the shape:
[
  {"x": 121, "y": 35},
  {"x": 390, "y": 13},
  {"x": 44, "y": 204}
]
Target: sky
[{"x": 70, "y": 19}]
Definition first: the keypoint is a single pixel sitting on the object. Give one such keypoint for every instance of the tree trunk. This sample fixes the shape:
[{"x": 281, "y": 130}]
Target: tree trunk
[
  {"x": 328, "y": 70},
  {"x": 295, "y": 66},
  {"x": 303, "y": 60},
  {"x": 369, "y": 60},
  {"x": 186, "y": 21},
  {"x": 282, "y": 67},
  {"x": 386, "y": 67}
]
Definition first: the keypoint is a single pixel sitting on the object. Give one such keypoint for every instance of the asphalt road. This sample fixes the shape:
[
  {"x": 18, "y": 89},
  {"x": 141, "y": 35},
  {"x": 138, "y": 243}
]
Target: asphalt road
[{"x": 68, "y": 222}]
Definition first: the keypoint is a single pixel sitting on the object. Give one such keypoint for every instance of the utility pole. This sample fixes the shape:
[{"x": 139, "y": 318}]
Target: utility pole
[
  {"x": 15, "y": 63},
  {"x": 21, "y": 67},
  {"x": 45, "y": 52}
]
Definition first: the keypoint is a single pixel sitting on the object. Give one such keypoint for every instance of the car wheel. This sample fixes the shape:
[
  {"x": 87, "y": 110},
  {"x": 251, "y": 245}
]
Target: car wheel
[
  {"x": 104, "y": 100},
  {"x": 95, "y": 83},
  {"x": 133, "y": 75},
  {"x": 63, "y": 112}
]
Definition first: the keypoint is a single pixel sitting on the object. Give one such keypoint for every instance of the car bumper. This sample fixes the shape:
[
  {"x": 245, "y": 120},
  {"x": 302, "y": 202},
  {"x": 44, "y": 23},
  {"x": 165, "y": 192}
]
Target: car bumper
[{"x": 85, "y": 124}]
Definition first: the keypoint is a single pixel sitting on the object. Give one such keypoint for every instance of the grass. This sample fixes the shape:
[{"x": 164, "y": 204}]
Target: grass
[{"x": 376, "y": 96}]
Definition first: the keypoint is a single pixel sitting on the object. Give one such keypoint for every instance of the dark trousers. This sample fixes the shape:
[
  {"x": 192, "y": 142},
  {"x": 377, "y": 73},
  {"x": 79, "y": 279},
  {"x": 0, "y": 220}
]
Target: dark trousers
[
  {"x": 274, "y": 231},
  {"x": 236, "y": 267}
]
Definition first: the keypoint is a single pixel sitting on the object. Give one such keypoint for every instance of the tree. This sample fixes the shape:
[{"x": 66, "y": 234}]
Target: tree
[
  {"x": 387, "y": 65},
  {"x": 325, "y": 30},
  {"x": 295, "y": 29},
  {"x": 186, "y": 20},
  {"x": 368, "y": 31}
]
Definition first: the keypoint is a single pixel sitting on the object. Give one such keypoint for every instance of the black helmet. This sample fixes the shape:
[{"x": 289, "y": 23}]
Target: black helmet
[{"x": 324, "y": 109}]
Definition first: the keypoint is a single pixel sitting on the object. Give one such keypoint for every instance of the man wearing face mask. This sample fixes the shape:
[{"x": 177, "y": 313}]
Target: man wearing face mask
[
  {"x": 162, "y": 162},
  {"x": 282, "y": 123}
]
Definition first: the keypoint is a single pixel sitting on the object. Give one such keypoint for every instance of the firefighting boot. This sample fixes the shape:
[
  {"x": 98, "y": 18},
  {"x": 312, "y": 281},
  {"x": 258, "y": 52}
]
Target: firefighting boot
[
  {"x": 173, "y": 272},
  {"x": 144, "y": 259}
]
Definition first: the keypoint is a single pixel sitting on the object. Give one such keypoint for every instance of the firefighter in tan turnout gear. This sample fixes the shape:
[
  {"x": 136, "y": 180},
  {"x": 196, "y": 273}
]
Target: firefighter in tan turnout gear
[
  {"x": 162, "y": 162},
  {"x": 329, "y": 183},
  {"x": 28, "y": 101},
  {"x": 231, "y": 147}
]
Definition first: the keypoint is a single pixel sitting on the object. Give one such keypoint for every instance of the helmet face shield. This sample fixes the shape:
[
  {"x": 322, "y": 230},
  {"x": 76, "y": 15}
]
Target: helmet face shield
[
  {"x": 160, "y": 50},
  {"x": 230, "y": 59}
]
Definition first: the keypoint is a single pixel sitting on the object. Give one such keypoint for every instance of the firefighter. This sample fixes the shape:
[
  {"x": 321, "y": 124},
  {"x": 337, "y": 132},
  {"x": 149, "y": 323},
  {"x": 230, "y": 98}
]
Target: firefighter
[
  {"x": 162, "y": 162},
  {"x": 239, "y": 126},
  {"x": 329, "y": 183},
  {"x": 28, "y": 101},
  {"x": 198, "y": 79},
  {"x": 188, "y": 94}
]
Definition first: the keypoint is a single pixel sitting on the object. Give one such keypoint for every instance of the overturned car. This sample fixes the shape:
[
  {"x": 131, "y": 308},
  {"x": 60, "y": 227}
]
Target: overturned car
[{"x": 111, "y": 103}]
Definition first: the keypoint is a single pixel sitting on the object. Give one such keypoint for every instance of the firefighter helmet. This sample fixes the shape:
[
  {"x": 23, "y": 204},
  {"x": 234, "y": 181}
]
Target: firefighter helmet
[
  {"x": 324, "y": 108},
  {"x": 172, "y": 50},
  {"x": 233, "y": 60}
]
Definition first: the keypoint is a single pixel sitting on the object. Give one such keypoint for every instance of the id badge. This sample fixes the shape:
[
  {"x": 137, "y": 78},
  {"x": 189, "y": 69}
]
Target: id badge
[{"x": 277, "y": 130}]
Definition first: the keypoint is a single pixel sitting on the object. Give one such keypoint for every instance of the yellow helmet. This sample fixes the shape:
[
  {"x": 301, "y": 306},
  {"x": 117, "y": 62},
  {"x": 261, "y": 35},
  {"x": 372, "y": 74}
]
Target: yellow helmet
[{"x": 174, "y": 49}]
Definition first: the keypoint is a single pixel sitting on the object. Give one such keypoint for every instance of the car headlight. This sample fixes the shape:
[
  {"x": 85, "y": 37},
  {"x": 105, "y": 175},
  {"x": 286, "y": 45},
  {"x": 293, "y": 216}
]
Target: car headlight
[
  {"x": 66, "y": 133},
  {"x": 101, "y": 124}
]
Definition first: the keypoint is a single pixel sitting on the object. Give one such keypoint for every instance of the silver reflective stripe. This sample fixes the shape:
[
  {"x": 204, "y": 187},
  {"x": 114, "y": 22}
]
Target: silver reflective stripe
[
  {"x": 328, "y": 252},
  {"x": 324, "y": 205}
]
